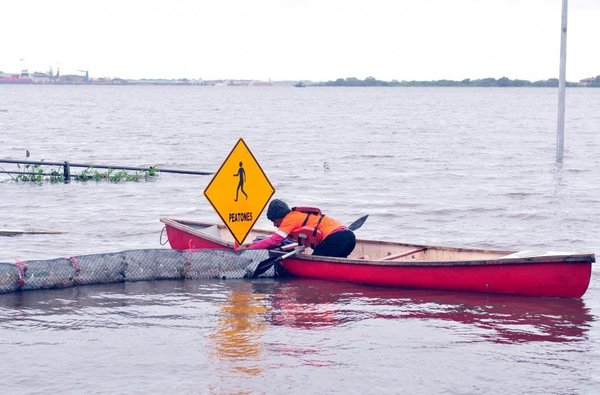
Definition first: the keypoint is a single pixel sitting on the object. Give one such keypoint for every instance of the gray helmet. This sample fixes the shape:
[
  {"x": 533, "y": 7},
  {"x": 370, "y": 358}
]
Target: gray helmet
[{"x": 277, "y": 209}]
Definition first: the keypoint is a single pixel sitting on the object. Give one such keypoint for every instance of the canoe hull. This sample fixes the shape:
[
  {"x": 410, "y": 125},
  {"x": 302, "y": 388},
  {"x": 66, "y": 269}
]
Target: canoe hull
[
  {"x": 470, "y": 270},
  {"x": 182, "y": 240},
  {"x": 554, "y": 279}
]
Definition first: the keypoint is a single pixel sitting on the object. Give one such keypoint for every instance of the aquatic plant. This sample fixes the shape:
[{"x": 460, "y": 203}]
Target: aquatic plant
[
  {"x": 55, "y": 176},
  {"x": 110, "y": 175},
  {"x": 32, "y": 173}
]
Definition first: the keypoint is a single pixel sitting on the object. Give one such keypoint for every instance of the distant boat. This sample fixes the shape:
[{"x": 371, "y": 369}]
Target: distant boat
[
  {"x": 300, "y": 85},
  {"x": 15, "y": 79}
]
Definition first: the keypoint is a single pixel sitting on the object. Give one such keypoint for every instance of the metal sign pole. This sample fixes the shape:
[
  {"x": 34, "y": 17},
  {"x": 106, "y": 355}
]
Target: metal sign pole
[{"x": 560, "y": 131}]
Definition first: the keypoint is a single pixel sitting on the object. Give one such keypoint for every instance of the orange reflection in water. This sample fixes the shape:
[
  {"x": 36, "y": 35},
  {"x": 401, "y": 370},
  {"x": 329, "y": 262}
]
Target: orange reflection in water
[{"x": 237, "y": 338}]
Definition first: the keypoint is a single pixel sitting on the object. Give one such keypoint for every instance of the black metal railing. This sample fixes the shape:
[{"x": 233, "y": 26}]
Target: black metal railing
[{"x": 68, "y": 165}]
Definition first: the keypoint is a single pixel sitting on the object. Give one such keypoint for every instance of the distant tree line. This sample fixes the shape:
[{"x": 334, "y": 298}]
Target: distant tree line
[{"x": 486, "y": 82}]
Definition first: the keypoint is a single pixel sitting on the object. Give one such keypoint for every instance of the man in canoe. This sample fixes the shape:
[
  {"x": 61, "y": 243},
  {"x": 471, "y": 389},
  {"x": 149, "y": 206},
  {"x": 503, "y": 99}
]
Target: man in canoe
[{"x": 307, "y": 226}]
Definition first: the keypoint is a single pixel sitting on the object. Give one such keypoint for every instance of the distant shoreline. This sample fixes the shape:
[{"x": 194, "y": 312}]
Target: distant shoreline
[{"x": 504, "y": 82}]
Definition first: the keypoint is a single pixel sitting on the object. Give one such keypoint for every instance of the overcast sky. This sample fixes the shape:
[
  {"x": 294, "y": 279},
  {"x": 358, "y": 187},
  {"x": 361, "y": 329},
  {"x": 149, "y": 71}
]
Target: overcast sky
[{"x": 315, "y": 40}]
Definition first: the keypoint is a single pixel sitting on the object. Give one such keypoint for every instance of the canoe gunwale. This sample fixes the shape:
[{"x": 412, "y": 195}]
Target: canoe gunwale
[{"x": 578, "y": 258}]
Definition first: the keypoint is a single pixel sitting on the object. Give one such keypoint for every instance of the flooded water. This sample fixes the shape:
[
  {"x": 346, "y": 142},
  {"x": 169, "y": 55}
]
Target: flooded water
[{"x": 460, "y": 167}]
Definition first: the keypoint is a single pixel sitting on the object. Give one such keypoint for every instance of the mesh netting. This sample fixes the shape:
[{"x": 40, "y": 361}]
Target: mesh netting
[{"x": 132, "y": 265}]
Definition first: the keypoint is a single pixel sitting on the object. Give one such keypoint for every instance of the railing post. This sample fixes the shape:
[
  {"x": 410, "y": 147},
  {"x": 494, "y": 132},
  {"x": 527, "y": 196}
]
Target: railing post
[{"x": 67, "y": 172}]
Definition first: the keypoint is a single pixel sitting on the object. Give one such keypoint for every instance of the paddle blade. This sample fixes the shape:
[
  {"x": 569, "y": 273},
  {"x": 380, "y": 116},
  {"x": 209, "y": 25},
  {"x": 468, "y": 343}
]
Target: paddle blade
[
  {"x": 265, "y": 265},
  {"x": 358, "y": 223}
]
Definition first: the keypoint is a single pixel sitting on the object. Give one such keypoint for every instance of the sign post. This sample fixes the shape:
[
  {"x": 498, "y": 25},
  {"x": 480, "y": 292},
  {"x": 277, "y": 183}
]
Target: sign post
[
  {"x": 239, "y": 191},
  {"x": 562, "y": 84}
]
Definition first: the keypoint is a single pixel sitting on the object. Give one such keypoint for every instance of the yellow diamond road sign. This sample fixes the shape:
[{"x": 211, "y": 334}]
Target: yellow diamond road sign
[{"x": 239, "y": 191}]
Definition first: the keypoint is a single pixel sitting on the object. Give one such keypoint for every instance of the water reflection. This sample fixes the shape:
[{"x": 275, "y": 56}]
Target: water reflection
[
  {"x": 246, "y": 310},
  {"x": 241, "y": 323},
  {"x": 313, "y": 304},
  {"x": 558, "y": 177}
]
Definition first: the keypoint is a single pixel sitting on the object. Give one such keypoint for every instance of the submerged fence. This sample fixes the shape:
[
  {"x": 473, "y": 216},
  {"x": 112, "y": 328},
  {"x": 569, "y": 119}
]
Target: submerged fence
[
  {"x": 131, "y": 265},
  {"x": 66, "y": 167}
]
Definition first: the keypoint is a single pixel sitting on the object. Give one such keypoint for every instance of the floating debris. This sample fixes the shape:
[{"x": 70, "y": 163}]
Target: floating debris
[{"x": 29, "y": 231}]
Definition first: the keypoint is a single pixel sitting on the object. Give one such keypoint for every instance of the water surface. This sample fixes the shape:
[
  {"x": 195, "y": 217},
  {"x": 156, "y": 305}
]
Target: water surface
[{"x": 460, "y": 167}]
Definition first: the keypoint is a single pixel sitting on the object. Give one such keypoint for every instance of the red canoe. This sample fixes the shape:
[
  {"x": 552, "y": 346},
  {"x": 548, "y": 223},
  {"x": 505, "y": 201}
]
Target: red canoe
[{"x": 392, "y": 264}]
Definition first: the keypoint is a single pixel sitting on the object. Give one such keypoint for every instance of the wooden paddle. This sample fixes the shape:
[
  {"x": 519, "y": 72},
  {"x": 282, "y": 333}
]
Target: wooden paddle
[{"x": 263, "y": 266}]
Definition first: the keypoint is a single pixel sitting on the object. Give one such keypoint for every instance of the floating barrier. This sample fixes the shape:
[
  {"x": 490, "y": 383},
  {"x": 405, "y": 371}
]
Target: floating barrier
[{"x": 130, "y": 265}]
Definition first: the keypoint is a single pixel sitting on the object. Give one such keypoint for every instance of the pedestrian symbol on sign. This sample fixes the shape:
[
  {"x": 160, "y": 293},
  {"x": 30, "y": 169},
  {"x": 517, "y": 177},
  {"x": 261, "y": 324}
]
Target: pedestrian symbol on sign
[{"x": 242, "y": 175}]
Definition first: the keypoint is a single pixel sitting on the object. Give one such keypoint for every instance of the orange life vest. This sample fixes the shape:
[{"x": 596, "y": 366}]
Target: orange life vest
[{"x": 309, "y": 236}]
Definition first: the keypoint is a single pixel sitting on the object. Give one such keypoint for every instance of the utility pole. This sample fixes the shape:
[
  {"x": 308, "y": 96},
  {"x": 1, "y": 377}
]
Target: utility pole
[{"x": 560, "y": 130}]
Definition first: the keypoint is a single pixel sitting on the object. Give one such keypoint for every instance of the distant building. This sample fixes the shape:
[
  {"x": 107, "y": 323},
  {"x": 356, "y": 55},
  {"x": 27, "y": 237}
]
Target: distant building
[
  {"x": 239, "y": 82},
  {"x": 261, "y": 83},
  {"x": 40, "y": 78},
  {"x": 72, "y": 79},
  {"x": 587, "y": 81}
]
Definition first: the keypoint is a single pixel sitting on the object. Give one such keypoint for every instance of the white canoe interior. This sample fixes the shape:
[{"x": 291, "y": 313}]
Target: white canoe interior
[{"x": 371, "y": 250}]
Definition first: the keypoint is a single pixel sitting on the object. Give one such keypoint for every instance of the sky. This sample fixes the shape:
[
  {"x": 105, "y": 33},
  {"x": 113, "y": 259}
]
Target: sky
[{"x": 317, "y": 40}]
